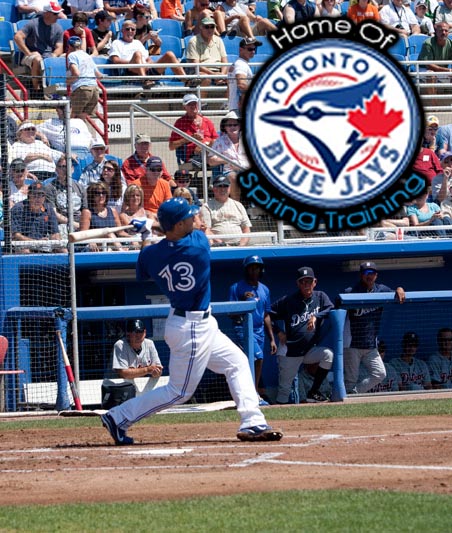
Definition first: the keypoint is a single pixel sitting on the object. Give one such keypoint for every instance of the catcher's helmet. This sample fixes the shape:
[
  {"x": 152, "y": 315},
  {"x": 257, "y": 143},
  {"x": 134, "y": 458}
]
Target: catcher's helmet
[
  {"x": 173, "y": 211},
  {"x": 253, "y": 260}
]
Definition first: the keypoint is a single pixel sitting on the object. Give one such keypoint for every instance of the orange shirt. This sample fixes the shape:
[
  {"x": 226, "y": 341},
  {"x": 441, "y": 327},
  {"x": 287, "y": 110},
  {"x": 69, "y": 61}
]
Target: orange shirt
[
  {"x": 357, "y": 14},
  {"x": 168, "y": 8},
  {"x": 154, "y": 196}
]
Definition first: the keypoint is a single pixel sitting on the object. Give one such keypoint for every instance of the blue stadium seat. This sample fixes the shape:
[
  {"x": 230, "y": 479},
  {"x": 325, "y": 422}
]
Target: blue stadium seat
[
  {"x": 168, "y": 27},
  {"x": 54, "y": 72},
  {"x": 232, "y": 44},
  {"x": 9, "y": 12},
  {"x": 172, "y": 44},
  {"x": 66, "y": 24},
  {"x": 6, "y": 38},
  {"x": 261, "y": 9},
  {"x": 400, "y": 48},
  {"x": 267, "y": 47},
  {"x": 103, "y": 60},
  {"x": 344, "y": 7},
  {"x": 415, "y": 44}
]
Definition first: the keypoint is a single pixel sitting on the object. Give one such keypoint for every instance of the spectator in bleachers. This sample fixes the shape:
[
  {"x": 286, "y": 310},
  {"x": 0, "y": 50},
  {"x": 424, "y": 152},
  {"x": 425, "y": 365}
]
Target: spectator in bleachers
[
  {"x": 34, "y": 219},
  {"x": 145, "y": 6},
  {"x": 55, "y": 131},
  {"x": 390, "y": 382},
  {"x": 425, "y": 213},
  {"x": 93, "y": 171},
  {"x": 133, "y": 206},
  {"x": 430, "y": 132},
  {"x": 206, "y": 47},
  {"x": 83, "y": 76},
  {"x": 427, "y": 163},
  {"x": 111, "y": 176},
  {"x": 40, "y": 38},
  {"x": 155, "y": 188},
  {"x": 102, "y": 34},
  {"x": 440, "y": 364},
  {"x": 89, "y": 7},
  {"x": 172, "y": 9},
  {"x": 20, "y": 179},
  {"x": 80, "y": 29},
  {"x": 328, "y": 8},
  {"x": 182, "y": 180},
  {"x": 134, "y": 167},
  {"x": 425, "y": 22},
  {"x": 400, "y": 18},
  {"x": 444, "y": 13},
  {"x": 298, "y": 10},
  {"x": 230, "y": 144},
  {"x": 194, "y": 124},
  {"x": 275, "y": 11},
  {"x": 57, "y": 195},
  {"x": 100, "y": 215},
  {"x": 182, "y": 192},
  {"x": 221, "y": 214},
  {"x": 194, "y": 16},
  {"x": 412, "y": 372},
  {"x": 363, "y": 10},
  {"x": 29, "y": 9},
  {"x": 37, "y": 155},
  {"x": 127, "y": 50},
  {"x": 240, "y": 73},
  {"x": 119, "y": 8},
  {"x": 443, "y": 138},
  {"x": 233, "y": 18},
  {"x": 442, "y": 183}
]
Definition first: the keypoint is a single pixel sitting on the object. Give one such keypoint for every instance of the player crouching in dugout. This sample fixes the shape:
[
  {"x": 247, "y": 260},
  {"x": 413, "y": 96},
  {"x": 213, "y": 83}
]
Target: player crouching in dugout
[{"x": 134, "y": 356}]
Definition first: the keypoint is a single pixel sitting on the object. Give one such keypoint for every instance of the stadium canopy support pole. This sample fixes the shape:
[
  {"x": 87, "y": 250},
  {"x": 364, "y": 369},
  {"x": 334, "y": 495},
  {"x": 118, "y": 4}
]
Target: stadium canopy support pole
[{"x": 337, "y": 318}]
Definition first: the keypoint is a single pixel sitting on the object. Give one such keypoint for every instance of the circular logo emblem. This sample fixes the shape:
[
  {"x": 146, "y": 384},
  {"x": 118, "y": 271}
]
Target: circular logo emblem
[{"x": 332, "y": 123}]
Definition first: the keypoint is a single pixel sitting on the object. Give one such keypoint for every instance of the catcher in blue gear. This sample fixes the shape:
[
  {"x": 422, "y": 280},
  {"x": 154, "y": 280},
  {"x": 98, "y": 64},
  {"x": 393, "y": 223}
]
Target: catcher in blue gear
[{"x": 252, "y": 289}]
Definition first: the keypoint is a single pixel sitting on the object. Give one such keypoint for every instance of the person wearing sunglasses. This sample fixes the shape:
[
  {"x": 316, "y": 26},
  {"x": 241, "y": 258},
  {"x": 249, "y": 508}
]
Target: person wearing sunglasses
[
  {"x": 193, "y": 17},
  {"x": 134, "y": 167},
  {"x": 34, "y": 219},
  {"x": 182, "y": 180},
  {"x": 240, "y": 73},
  {"x": 440, "y": 364},
  {"x": 223, "y": 215},
  {"x": 99, "y": 214},
  {"x": 156, "y": 189},
  {"x": 20, "y": 180}
]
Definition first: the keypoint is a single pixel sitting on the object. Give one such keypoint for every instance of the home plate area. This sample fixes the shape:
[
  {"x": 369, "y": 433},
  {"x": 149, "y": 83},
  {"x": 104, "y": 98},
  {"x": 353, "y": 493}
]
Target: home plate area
[{"x": 189, "y": 460}]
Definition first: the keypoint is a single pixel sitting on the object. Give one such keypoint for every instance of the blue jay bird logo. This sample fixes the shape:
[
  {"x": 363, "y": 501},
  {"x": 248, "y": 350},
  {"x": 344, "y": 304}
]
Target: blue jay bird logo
[{"x": 332, "y": 123}]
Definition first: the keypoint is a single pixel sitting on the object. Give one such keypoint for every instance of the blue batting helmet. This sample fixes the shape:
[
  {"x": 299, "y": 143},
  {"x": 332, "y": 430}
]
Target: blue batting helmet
[
  {"x": 173, "y": 211},
  {"x": 253, "y": 260}
]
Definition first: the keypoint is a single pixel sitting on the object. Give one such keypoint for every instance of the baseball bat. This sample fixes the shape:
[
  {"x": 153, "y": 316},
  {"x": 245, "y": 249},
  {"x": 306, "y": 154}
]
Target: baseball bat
[
  {"x": 70, "y": 375},
  {"x": 77, "y": 236}
]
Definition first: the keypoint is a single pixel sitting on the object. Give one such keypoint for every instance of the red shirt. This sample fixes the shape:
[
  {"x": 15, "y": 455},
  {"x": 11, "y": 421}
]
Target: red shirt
[
  {"x": 187, "y": 125},
  {"x": 71, "y": 33},
  {"x": 427, "y": 164},
  {"x": 134, "y": 169}
]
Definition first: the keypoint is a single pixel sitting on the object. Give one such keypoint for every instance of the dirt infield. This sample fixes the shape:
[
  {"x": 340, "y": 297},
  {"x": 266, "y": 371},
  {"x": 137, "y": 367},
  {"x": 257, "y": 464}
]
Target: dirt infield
[{"x": 189, "y": 460}]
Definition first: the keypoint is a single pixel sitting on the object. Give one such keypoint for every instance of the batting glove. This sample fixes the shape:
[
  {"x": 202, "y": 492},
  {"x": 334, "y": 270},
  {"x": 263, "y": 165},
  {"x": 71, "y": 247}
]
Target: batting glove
[{"x": 143, "y": 226}]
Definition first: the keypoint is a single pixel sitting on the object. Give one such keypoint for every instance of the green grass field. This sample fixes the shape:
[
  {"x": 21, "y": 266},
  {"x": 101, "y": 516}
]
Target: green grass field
[{"x": 291, "y": 511}]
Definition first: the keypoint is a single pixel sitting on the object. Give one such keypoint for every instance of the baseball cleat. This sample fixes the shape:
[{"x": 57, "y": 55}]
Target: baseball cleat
[
  {"x": 316, "y": 397},
  {"x": 118, "y": 434},
  {"x": 259, "y": 433}
]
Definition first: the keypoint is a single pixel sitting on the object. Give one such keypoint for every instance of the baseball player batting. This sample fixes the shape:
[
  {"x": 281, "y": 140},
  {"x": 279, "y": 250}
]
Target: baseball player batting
[{"x": 180, "y": 266}]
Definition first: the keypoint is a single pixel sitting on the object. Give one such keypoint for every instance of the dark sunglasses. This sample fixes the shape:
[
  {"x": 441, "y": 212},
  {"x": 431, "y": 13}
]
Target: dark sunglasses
[
  {"x": 147, "y": 17},
  {"x": 29, "y": 129},
  {"x": 182, "y": 180},
  {"x": 61, "y": 166},
  {"x": 20, "y": 169},
  {"x": 231, "y": 124},
  {"x": 129, "y": 29},
  {"x": 100, "y": 193},
  {"x": 251, "y": 49},
  {"x": 109, "y": 168},
  {"x": 155, "y": 169},
  {"x": 223, "y": 186},
  {"x": 37, "y": 194},
  {"x": 209, "y": 27}
]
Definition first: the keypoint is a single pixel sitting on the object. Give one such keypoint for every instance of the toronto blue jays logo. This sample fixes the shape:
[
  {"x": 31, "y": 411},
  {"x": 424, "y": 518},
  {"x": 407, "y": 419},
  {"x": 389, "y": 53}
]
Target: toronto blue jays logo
[{"x": 331, "y": 124}]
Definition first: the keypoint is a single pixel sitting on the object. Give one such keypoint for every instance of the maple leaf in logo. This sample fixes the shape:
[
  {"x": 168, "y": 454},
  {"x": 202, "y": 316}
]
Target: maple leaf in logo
[{"x": 375, "y": 121}]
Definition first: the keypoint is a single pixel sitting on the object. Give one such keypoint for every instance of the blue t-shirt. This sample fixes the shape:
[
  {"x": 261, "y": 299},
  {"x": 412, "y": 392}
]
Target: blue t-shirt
[
  {"x": 365, "y": 321},
  {"x": 36, "y": 225},
  {"x": 242, "y": 291},
  {"x": 86, "y": 68},
  {"x": 181, "y": 270}
]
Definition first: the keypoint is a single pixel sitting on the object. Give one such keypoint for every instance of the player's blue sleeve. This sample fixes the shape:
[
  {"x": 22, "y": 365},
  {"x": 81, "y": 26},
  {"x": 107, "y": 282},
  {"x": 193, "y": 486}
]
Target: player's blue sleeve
[{"x": 233, "y": 293}]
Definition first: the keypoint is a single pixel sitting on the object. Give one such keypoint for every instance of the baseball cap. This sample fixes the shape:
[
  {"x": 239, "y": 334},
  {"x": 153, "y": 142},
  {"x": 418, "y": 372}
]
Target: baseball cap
[
  {"x": 35, "y": 187},
  {"x": 420, "y": 3},
  {"x": 445, "y": 155},
  {"x": 142, "y": 4},
  {"x": 221, "y": 180},
  {"x": 207, "y": 20},
  {"x": 175, "y": 210},
  {"x": 18, "y": 164},
  {"x": 410, "y": 338},
  {"x": 102, "y": 15},
  {"x": 142, "y": 138},
  {"x": 182, "y": 174},
  {"x": 367, "y": 267},
  {"x": 247, "y": 41},
  {"x": 154, "y": 162},
  {"x": 53, "y": 7},
  {"x": 26, "y": 125},
  {"x": 135, "y": 326},
  {"x": 188, "y": 98},
  {"x": 97, "y": 143},
  {"x": 74, "y": 41},
  {"x": 305, "y": 272},
  {"x": 432, "y": 120}
]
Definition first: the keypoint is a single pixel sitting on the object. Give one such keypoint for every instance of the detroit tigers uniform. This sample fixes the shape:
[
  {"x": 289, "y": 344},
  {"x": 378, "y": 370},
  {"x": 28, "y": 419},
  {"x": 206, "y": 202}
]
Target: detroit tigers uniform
[
  {"x": 181, "y": 269},
  {"x": 364, "y": 324},
  {"x": 124, "y": 356},
  {"x": 411, "y": 376},
  {"x": 440, "y": 371},
  {"x": 301, "y": 344},
  {"x": 390, "y": 382}
]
